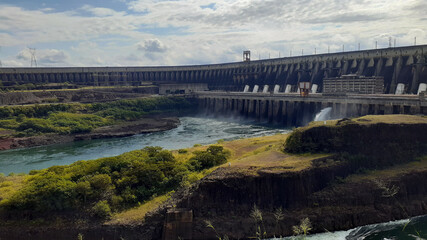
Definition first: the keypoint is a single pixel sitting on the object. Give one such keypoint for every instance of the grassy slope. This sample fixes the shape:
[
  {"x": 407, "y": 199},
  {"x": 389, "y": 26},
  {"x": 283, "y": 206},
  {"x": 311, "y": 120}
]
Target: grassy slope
[{"x": 249, "y": 156}]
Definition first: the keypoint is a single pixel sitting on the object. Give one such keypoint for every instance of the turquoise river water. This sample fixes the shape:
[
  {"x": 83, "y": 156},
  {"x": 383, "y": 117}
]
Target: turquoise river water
[{"x": 192, "y": 130}]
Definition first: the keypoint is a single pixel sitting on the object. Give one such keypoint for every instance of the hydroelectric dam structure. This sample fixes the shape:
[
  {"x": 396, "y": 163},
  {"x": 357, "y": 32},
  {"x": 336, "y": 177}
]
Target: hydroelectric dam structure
[{"x": 268, "y": 89}]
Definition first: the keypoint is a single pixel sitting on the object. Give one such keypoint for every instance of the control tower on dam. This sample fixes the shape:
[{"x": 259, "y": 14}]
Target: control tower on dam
[{"x": 403, "y": 70}]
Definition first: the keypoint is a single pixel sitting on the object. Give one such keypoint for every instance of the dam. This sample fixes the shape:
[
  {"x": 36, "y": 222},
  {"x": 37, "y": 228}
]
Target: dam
[
  {"x": 403, "y": 68},
  {"x": 357, "y": 83}
]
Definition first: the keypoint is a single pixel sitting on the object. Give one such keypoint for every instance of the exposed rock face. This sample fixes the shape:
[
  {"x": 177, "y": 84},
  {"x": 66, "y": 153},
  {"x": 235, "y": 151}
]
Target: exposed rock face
[
  {"x": 316, "y": 193},
  {"x": 386, "y": 144}
]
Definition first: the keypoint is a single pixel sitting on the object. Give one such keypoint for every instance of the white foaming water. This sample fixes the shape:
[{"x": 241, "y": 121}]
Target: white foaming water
[
  {"x": 414, "y": 229},
  {"x": 324, "y": 114}
]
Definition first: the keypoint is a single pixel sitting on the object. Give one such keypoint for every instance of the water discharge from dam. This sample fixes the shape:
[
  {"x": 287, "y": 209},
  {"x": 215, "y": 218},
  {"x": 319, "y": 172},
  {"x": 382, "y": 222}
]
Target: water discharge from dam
[
  {"x": 192, "y": 130},
  {"x": 324, "y": 114}
]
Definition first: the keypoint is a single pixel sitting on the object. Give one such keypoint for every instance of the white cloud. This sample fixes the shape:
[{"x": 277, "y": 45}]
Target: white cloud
[
  {"x": 212, "y": 34},
  {"x": 100, "y": 12},
  {"x": 152, "y": 46},
  {"x": 44, "y": 57}
]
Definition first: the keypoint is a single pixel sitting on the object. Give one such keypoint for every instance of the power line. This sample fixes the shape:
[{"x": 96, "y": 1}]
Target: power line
[{"x": 33, "y": 57}]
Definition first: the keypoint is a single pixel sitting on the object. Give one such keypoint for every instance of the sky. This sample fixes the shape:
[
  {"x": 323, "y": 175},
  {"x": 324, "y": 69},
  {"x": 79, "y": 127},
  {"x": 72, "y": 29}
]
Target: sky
[{"x": 191, "y": 32}]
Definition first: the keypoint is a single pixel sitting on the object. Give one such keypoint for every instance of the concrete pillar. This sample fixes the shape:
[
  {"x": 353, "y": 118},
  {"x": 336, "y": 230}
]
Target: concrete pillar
[
  {"x": 400, "y": 89},
  {"x": 290, "y": 109},
  {"x": 351, "y": 110},
  {"x": 343, "y": 110},
  {"x": 376, "y": 109},
  {"x": 344, "y": 67},
  {"x": 414, "y": 110},
  {"x": 415, "y": 78},
  {"x": 257, "y": 109},
  {"x": 276, "y": 89},
  {"x": 263, "y": 109},
  {"x": 211, "y": 105},
  {"x": 402, "y": 109},
  {"x": 270, "y": 111},
  {"x": 364, "y": 110},
  {"x": 305, "y": 113},
  {"x": 379, "y": 67},
  {"x": 284, "y": 112},
  {"x": 314, "y": 88},
  {"x": 265, "y": 90},
  {"x": 255, "y": 90},
  {"x": 336, "y": 110},
  {"x": 396, "y": 73},
  {"x": 361, "y": 67},
  {"x": 276, "y": 110},
  {"x": 288, "y": 88},
  {"x": 422, "y": 88},
  {"x": 251, "y": 107},
  {"x": 354, "y": 64},
  {"x": 388, "y": 109},
  {"x": 246, "y": 107},
  {"x": 371, "y": 63},
  {"x": 241, "y": 106},
  {"x": 246, "y": 88}
]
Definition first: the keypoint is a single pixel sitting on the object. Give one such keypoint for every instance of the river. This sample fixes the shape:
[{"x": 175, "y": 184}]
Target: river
[
  {"x": 192, "y": 130},
  {"x": 413, "y": 229}
]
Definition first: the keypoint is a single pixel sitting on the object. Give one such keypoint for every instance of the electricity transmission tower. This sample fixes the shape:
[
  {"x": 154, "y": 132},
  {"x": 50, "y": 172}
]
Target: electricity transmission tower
[
  {"x": 33, "y": 57},
  {"x": 0, "y": 60}
]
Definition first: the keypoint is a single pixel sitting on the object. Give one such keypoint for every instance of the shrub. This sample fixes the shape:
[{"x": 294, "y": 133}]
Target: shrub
[
  {"x": 182, "y": 151},
  {"x": 102, "y": 210},
  {"x": 213, "y": 156}
]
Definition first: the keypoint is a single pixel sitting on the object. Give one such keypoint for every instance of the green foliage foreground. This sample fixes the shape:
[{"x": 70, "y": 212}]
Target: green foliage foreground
[
  {"x": 82, "y": 118},
  {"x": 100, "y": 187}
]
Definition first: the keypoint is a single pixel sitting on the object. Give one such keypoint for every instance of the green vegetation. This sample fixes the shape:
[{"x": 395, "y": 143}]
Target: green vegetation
[
  {"x": 101, "y": 187},
  {"x": 303, "y": 228},
  {"x": 21, "y": 121}
]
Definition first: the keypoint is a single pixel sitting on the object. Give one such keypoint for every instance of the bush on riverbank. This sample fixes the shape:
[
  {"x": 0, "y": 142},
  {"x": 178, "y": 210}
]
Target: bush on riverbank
[
  {"x": 81, "y": 118},
  {"x": 106, "y": 185}
]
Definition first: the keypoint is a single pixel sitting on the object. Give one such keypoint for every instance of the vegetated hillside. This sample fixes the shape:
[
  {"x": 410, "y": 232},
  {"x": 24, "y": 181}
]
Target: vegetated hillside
[
  {"x": 77, "y": 118},
  {"x": 94, "y": 190}
]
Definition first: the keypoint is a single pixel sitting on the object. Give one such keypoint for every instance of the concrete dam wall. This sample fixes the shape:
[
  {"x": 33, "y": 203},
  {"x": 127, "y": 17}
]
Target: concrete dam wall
[
  {"x": 404, "y": 70},
  {"x": 290, "y": 109}
]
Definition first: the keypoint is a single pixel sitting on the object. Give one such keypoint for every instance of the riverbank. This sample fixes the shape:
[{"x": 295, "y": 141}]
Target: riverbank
[
  {"x": 37, "y": 125},
  {"x": 148, "y": 124},
  {"x": 334, "y": 190}
]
